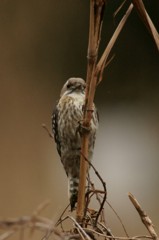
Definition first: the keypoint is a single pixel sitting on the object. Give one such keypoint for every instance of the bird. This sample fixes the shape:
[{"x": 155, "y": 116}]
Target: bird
[{"x": 66, "y": 121}]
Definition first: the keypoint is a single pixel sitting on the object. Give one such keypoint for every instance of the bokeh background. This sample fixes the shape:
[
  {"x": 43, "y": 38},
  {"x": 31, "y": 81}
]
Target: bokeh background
[{"x": 42, "y": 43}]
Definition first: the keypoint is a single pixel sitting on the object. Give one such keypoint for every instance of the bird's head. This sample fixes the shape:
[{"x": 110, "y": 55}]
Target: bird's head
[{"x": 73, "y": 85}]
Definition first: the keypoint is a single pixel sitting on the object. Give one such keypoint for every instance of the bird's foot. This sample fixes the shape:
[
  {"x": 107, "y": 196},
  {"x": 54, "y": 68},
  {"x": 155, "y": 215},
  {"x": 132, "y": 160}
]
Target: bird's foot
[{"x": 82, "y": 129}]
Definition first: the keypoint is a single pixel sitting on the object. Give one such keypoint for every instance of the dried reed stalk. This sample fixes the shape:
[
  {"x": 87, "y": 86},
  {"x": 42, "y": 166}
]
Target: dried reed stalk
[
  {"x": 96, "y": 18},
  {"x": 140, "y": 8},
  {"x": 144, "y": 217}
]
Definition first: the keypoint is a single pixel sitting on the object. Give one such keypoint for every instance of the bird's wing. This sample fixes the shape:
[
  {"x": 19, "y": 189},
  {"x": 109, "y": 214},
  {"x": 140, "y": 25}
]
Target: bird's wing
[{"x": 55, "y": 129}]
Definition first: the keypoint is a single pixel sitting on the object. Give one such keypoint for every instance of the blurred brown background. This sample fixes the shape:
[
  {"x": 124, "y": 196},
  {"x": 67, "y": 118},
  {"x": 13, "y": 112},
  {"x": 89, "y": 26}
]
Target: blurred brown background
[{"x": 42, "y": 43}]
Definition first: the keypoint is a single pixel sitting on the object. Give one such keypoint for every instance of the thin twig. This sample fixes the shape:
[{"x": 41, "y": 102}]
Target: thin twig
[
  {"x": 47, "y": 130},
  {"x": 40, "y": 208},
  {"x": 28, "y": 221},
  {"x": 103, "y": 67},
  {"x": 119, "y": 8},
  {"x": 59, "y": 220},
  {"x": 107, "y": 230},
  {"x": 118, "y": 218},
  {"x": 36, "y": 213},
  {"x": 80, "y": 228},
  {"x": 99, "y": 200},
  {"x": 104, "y": 187},
  {"x": 115, "y": 237}
]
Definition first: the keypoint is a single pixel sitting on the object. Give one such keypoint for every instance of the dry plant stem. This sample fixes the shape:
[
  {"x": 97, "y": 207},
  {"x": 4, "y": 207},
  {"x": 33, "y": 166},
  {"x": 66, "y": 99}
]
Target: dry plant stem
[
  {"x": 96, "y": 12},
  {"x": 118, "y": 218},
  {"x": 104, "y": 57},
  {"x": 139, "y": 6},
  {"x": 107, "y": 231},
  {"x": 115, "y": 237},
  {"x": 40, "y": 208},
  {"x": 85, "y": 235},
  {"x": 47, "y": 130},
  {"x": 99, "y": 200},
  {"x": 47, "y": 226},
  {"x": 105, "y": 194},
  {"x": 104, "y": 187},
  {"x": 61, "y": 221},
  {"x": 6, "y": 235},
  {"x": 144, "y": 217},
  {"x": 15, "y": 223},
  {"x": 60, "y": 218},
  {"x": 119, "y": 8}
]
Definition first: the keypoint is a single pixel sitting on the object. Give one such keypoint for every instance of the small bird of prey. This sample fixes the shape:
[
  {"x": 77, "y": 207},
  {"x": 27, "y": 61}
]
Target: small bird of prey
[{"x": 66, "y": 121}]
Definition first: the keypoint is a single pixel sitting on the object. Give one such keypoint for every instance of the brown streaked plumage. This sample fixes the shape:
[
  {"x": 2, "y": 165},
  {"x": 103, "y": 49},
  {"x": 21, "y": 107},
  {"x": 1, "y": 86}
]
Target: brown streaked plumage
[{"x": 65, "y": 124}]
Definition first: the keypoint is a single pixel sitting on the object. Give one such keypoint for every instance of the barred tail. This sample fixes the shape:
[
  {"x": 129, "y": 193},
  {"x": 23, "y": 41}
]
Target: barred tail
[{"x": 73, "y": 191}]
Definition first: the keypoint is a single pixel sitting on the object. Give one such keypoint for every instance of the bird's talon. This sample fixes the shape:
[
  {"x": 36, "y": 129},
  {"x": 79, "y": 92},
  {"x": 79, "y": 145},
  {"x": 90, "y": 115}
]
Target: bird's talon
[{"x": 82, "y": 129}]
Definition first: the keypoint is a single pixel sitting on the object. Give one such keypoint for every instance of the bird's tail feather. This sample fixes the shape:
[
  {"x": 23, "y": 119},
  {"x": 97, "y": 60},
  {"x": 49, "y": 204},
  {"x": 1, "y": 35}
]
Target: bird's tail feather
[{"x": 73, "y": 191}]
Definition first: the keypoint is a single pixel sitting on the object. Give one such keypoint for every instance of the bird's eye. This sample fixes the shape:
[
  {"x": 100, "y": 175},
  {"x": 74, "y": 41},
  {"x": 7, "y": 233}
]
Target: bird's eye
[{"x": 68, "y": 85}]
